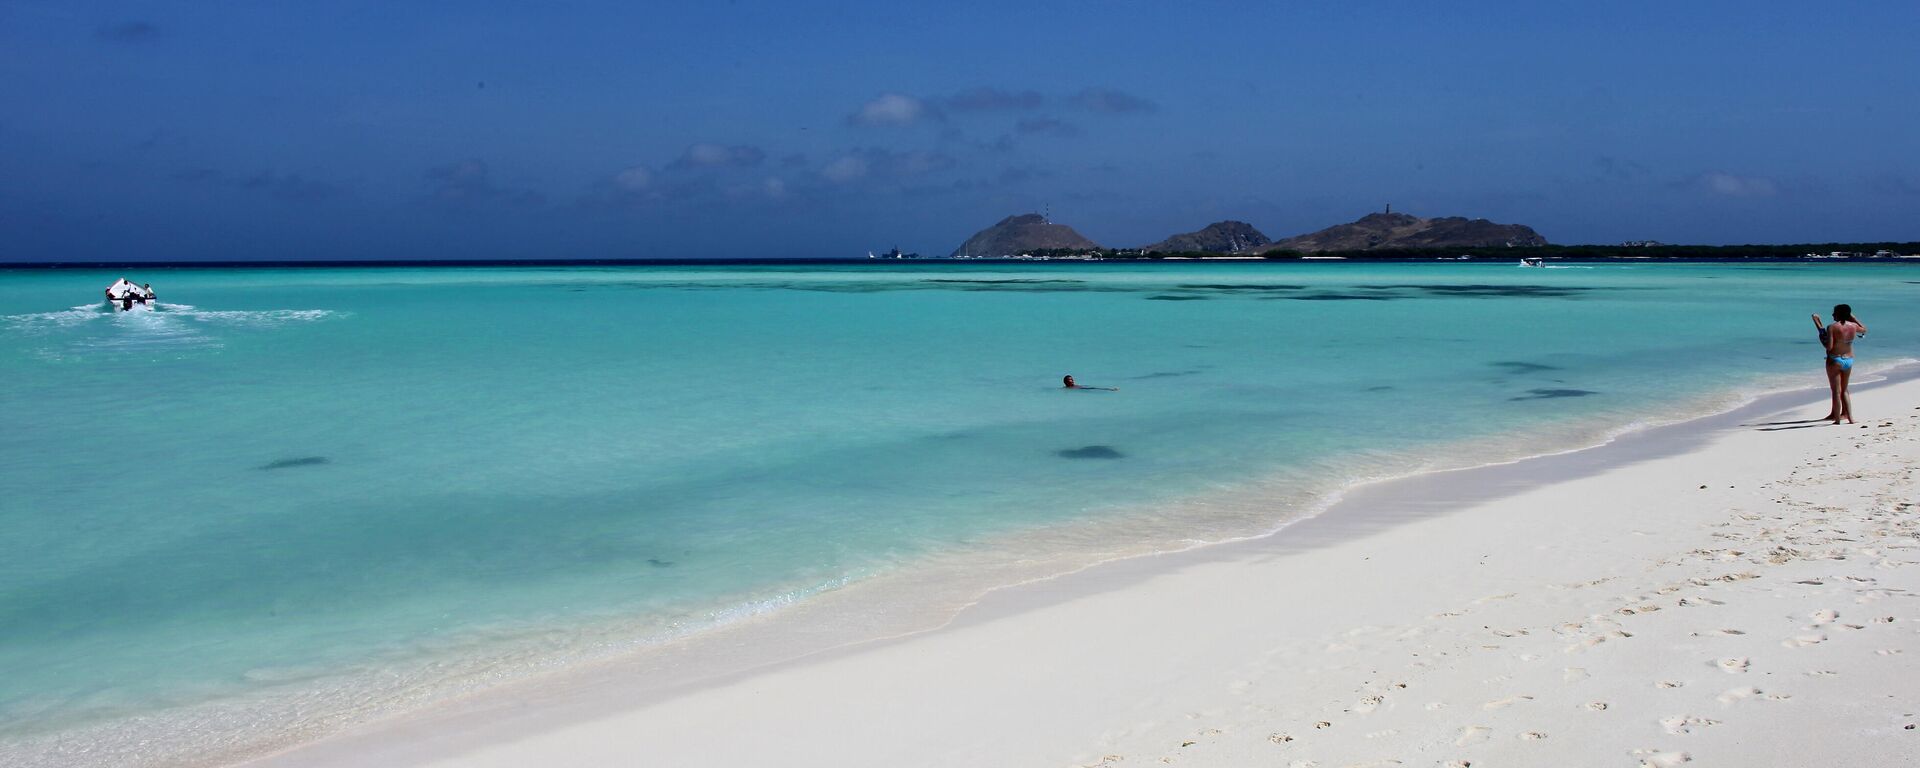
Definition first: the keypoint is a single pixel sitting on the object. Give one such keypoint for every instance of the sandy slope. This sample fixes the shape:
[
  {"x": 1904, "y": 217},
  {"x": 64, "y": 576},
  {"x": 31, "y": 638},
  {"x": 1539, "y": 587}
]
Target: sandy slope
[{"x": 1749, "y": 601}]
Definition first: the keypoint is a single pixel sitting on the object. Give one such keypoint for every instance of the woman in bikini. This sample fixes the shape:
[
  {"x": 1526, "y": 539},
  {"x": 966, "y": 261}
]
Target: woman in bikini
[{"x": 1838, "y": 341}]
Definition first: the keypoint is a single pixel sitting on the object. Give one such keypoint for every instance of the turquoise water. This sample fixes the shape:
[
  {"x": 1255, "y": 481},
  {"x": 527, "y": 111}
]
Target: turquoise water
[{"x": 285, "y": 483}]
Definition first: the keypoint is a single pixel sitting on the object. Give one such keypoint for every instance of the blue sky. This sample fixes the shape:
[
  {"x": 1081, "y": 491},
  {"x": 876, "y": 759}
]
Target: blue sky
[{"x": 268, "y": 130}]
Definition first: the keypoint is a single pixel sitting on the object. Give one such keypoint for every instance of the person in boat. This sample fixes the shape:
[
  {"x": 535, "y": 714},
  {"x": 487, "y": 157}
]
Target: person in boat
[
  {"x": 1067, "y": 382},
  {"x": 123, "y": 294},
  {"x": 1837, "y": 339},
  {"x": 120, "y": 293}
]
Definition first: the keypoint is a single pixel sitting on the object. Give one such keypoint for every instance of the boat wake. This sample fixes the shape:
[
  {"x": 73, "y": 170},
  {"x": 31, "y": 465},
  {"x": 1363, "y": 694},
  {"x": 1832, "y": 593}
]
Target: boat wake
[
  {"x": 163, "y": 326},
  {"x": 87, "y": 313}
]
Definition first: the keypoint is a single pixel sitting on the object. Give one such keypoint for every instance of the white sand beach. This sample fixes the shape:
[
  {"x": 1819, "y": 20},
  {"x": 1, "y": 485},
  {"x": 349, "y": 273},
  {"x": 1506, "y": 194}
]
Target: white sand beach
[{"x": 1732, "y": 591}]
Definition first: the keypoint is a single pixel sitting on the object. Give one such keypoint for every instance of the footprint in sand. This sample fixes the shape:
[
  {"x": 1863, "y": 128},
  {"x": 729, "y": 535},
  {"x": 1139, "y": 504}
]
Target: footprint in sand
[
  {"x": 1669, "y": 684},
  {"x": 1366, "y": 705},
  {"x": 1584, "y": 644},
  {"x": 1532, "y": 736},
  {"x": 1653, "y": 758},
  {"x": 1683, "y": 724},
  {"x": 1597, "y": 706},
  {"x": 1802, "y": 641},
  {"x": 1733, "y": 665},
  {"x": 1825, "y": 616},
  {"x": 1506, "y": 702},
  {"x": 1473, "y": 734},
  {"x": 1737, "y": 694},
  {"x": 1457, "y": 764}
]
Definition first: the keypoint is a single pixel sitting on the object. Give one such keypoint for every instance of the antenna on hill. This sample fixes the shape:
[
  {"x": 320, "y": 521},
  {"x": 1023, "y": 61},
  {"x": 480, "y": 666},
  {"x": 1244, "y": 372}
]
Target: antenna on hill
[
  {"x": 1046, "y": 213},
  {"x": 1389, "y": 207}
]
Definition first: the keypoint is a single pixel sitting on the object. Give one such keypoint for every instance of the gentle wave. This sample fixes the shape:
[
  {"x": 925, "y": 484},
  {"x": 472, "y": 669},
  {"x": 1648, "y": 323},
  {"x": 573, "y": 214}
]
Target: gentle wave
[{"x": 281, "y": 706}]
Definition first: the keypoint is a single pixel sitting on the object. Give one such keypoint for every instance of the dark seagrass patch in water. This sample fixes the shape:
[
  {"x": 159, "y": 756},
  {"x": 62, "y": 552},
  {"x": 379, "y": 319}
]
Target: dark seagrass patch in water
[
  {"x": 303, "y": 461},
  {"x": 1548, "y": 394},
  {"x": 1090, "y": 452},
  {"x": 1519, "y": 367}
]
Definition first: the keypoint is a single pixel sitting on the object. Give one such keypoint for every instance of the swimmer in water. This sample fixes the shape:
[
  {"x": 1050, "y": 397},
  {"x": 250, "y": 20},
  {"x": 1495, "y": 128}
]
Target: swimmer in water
[{"x": 1066, "y": 382}]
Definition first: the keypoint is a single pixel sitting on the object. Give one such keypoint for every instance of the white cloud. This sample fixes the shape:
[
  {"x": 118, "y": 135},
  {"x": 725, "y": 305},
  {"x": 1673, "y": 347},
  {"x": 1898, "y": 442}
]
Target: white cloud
[
  {"x": 775, "y": 188},
  {"x": 634, "y": 179},
  {"x": 1732, "y": 185},
  {"x": 915, "y": 163},
  {"x": 892, "y": 109},
  {"x": 845, "y": 169}
]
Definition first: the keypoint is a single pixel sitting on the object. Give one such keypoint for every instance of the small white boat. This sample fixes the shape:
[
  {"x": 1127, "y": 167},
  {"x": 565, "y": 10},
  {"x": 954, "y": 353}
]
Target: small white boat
[
  {"x": 124, "y": 296},
  {"x": 1533, "y": 261}
]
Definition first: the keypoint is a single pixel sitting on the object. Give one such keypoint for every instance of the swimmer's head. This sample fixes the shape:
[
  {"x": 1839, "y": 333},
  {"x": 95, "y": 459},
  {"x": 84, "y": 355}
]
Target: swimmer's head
[
  {"x": 1842, "y": 313},
  {"x": 1067, "y": 381}
]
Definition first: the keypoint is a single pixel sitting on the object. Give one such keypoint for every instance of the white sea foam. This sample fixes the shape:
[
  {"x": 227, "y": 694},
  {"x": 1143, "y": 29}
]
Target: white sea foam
[
  {"x": 286, "y": 705},
  {"x": 164, "y": 327},
  {"x": 253, "y": 318},
  {"x": 62, "y": 319}
]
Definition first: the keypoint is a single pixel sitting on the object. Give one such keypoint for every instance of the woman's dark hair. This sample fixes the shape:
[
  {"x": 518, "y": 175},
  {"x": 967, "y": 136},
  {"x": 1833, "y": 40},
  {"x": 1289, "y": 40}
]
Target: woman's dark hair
[{"x": 1842, "y": 313}]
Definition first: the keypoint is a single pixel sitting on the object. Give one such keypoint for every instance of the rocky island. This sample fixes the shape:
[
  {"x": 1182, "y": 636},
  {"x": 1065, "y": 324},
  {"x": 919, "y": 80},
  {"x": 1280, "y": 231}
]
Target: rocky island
[
  {"x": 1404, "y": 231},
  {"x": 1384, "y": 236},
  {"x": 1022, "y": 235},
  {"x": 1218, "y": 237}
]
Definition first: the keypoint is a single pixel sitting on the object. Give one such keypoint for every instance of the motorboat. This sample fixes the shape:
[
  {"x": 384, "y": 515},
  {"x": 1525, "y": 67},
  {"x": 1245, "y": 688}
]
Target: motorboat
[
  {"x": 1533, "y": 261},
  {"x": 124, "y": 296}
]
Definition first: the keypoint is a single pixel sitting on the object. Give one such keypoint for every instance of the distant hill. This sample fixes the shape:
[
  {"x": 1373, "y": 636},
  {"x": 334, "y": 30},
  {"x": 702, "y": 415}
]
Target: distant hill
[
  {"x": 1218, "y": 237},
  {"x": 1015, "y": 235},
  {"x": 1399, "y": 230}
]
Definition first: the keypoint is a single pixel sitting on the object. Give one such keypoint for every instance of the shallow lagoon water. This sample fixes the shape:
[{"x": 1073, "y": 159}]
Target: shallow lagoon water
[{"x": 288, "y": 480}]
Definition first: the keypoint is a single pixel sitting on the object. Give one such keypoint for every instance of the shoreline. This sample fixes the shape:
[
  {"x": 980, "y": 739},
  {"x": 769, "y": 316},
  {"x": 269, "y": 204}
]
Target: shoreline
[
  {"x": 870, "y": 611},
  {"x": 528, "y": 708}
]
